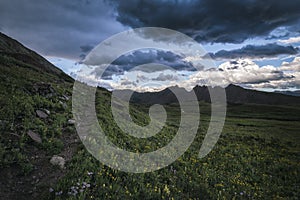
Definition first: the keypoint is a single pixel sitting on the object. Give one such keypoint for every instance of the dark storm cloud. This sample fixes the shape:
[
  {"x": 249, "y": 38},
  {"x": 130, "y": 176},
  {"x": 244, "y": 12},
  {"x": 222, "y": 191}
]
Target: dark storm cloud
[
  {"x": 129, "y": 61},
  {"x": 58, "y": 28},
  {"x": 107, "y": 74},
  {"x": 231, "y": 21},
  {"x": 86, "y": 48},
  {"x": 136, "y": 58},
  {"x": 253, "y": 51}
]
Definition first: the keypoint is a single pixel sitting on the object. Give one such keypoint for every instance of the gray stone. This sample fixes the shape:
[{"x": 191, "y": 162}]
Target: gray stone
[
  {"x": 47, "y": 111},
  {"x": 71, "y": 121},
  {"x": 34, "y": 136},
  {"x": 58, "y": 161},
  {"x": 41, "y": 114},
  {"x": 64, "y": 97}
]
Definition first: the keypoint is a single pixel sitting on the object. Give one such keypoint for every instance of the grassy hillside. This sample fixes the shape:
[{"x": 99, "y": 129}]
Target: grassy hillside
[
  {"x": 256, "y": 157},
  {"x": 30, "y": 84}
]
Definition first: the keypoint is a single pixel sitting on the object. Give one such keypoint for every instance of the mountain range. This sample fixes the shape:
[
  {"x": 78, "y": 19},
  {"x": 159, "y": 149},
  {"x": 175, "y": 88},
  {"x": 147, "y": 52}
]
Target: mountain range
[{"x": 234, "y": 95}]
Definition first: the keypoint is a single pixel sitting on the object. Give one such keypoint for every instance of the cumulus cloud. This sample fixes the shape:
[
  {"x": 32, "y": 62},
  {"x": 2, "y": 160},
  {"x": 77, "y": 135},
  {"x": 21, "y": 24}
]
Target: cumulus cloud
[
  {"x": 138, "y": 79},
  {"x": 241, "y": 72},
  {"x": 293, "y": 66},
  {"x": 211, "y": 20},
  {"x": 285, "y": 76},
  {"x": 282, "y": 84},
  {"x": 255, "y": 51}
]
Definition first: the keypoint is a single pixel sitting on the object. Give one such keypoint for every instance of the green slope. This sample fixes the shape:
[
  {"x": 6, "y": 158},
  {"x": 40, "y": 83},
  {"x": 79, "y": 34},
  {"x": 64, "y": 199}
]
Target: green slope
[
  {"x": 29, "y": 83},
  {"x": 256, "y": 157}
]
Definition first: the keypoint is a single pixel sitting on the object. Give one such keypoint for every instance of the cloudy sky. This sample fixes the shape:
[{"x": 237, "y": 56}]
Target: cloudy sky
[{"x": 253, "y": 43}]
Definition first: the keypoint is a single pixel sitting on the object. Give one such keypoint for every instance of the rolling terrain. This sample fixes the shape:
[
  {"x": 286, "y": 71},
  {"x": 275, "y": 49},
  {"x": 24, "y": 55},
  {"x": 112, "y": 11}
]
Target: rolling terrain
[{"x": 256, "y": 157}]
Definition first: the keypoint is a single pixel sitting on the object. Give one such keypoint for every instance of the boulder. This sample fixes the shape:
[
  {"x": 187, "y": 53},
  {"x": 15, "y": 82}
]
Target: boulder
[
  {"x": 34, "y": 136},
  {"x": 41, "y": 114},
  {"x": 58, "y": 161}
]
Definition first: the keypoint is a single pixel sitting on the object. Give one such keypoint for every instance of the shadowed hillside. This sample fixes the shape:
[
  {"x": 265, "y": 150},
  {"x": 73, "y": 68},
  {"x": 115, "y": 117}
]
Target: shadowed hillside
[
  {"x": 11, "y": 50},
  {"x": 34, "y": 113}
]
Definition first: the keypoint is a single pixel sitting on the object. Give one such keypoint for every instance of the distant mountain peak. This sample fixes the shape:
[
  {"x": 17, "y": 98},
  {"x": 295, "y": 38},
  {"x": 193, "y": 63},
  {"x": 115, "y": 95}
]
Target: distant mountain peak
[
  {"x": 233, "y": 86},
  {"x": 235, "y": 95}
]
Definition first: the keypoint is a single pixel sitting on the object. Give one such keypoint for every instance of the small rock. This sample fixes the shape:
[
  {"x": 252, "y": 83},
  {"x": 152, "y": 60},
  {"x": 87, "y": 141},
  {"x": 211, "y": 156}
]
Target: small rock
[
  {"x": 36, "y": 137},
  {"x": 64, "y": 97},
  {"x": 41, "y": 114},
  {"x": 71, "y": 121},
  {"x": 47, "y": 111},
  {"x": 58, "y": 160}
]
